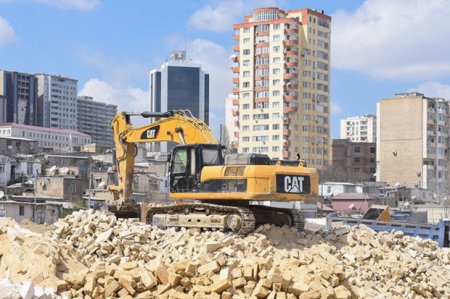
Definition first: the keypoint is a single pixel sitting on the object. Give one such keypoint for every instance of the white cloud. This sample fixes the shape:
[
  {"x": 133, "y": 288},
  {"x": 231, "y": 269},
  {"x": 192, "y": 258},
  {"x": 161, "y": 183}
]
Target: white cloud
[
  {"x": 7, "y": 34},
  {"x": 433, "y": 89},
  {"x": 393, "y": 39},
  {"x": 335, "y": 109},
  {"x": 128, "y": 99},
  {"x": 72, "y": 4},
  {"x": 219, "y": 16}
]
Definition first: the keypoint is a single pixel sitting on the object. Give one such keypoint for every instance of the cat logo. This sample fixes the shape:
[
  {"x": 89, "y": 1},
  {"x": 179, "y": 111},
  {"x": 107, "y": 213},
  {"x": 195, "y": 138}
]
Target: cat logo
[
  {"x": 151, "y": 133},
  {"x": 295, "y": 184}
]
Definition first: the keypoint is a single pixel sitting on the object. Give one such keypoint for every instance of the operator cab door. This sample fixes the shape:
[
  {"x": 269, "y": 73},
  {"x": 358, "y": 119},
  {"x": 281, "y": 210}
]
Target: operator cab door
[{"x": 187, "y": 162}]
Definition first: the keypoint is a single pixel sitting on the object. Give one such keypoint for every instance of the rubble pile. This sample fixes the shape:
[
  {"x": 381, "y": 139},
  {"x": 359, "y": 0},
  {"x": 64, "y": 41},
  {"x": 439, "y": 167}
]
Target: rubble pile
[{"x": 124, "y": 258}]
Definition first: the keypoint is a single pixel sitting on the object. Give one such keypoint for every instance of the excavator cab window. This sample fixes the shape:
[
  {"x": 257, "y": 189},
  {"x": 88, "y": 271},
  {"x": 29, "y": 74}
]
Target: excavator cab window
[{"x": 187, "y": 163}]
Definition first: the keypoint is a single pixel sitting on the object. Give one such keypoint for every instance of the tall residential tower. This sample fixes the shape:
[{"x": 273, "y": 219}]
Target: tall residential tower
[
  {"x": 282, "y": 81},
  {"x": 414, "y": 150},
  {"x": 57, "y": 97},
  {"x": 359, "y": 128},
  {"x": 18, "y": 98}
]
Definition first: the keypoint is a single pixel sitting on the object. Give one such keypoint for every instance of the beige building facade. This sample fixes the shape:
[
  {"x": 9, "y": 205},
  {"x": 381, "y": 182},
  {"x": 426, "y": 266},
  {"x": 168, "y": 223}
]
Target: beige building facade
[
  {"x": 413, "y": 142},
  {"x": 281, "y": 84}
]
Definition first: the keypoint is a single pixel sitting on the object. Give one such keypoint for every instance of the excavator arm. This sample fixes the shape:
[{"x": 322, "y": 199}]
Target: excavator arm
[{"x": 177, "y": 125}]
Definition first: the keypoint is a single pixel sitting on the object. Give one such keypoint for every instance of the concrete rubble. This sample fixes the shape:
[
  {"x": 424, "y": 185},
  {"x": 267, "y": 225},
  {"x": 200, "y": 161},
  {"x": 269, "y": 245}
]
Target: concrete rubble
[{"x": 95, "y": 255}]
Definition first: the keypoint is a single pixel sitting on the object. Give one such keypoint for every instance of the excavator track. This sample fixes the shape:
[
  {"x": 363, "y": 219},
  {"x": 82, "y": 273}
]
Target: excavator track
[
  {"x": 240, "y": 220},
  {"x": 278, "y": 216}
]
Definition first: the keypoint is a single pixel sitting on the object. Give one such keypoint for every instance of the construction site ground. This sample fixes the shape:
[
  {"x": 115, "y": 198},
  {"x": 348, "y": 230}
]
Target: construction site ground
[{"x": 92, "y": 254}]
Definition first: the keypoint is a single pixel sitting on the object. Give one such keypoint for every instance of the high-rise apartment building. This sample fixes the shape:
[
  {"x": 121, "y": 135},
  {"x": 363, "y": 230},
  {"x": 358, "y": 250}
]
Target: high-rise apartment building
[
  {"x": 18, "y": 98},
  {"x": 282, "y": 81},
  {"x": 94, "y": 118},
  {"x": 57, "y": 97},
  {"x": 179, "y": 84},
  {"x": 413, "y": 141},
  {"x": 359, "y": 128}
]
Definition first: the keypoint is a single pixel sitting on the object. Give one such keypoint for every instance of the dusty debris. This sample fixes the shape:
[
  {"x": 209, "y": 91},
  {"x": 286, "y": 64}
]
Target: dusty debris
[{"x": 97, "y": 255}]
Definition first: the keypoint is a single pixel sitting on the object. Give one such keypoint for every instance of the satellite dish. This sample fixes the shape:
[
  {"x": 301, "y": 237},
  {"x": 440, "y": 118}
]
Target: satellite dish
[{"x": 2, "y": 194}]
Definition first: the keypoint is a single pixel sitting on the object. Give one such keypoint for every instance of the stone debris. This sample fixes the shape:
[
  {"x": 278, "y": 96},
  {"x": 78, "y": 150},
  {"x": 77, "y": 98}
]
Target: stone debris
[{"x": 95, "y": 255}]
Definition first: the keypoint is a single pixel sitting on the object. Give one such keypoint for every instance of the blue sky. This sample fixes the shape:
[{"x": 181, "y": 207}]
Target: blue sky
[{"x": 379, "y": 47}]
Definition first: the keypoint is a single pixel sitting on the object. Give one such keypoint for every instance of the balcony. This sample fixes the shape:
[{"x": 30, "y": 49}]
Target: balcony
[
  {"x": 291, "y": 53},
  {"x": 235, "y": 90},
  {"x": 235, "y": 102},
  {"x": 286, "y": 132},
  {"x": 286, "y": 155},
  {"x": 259, "y": 100},
  {"x": 235, "y": 69},
  {"x": 262, "y": 88},
  {"x": 290, "y": 86},
  {"x": 236, "y": 134},
  {"x": 236, "y": 48},
  {"x": 236, "y": 80},
  {"x": 291, "y": 30},
  {"x": 262, "y": 33},
  {"x": 236, "y": 123},
  {"x": 235, "y": 112},
  {"x": 235, "y": 58},
  {"x": 287, "y": 76},
  {"x": 289, "y": 109},
  {"x": 261, "y": 44},
  {"x": 236, "y": 37},
  {"x": 290, "y": 98},
  {"x": 287, "y": 143},
  {"x": 291, "y": 64},
  {"x": 286, "y": 121},
  {"x": 290, "y": 42}
]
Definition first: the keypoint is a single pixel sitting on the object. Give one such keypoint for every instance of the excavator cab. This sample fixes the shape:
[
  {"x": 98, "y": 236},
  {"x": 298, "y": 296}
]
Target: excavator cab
[{"x": 187, "y": 162}]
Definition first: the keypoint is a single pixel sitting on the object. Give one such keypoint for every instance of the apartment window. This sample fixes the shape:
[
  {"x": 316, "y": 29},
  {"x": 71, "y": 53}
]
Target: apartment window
[
  {"x": 246, "y": 106},
  {"x": 275, "y": 126},
  {"x": 276, "y": 38},
  {"x": 260, "y": 127},
  {"x": 245, "y": 139},
  {"x": 275, "y": 148},
  {"x": 246, "y": 74},
  {"x": 260, "y": 138},
  {"x": 246, "y": 30},
  {"x": 246, "y": 84},
  {"x": 21, "y": 210},
  {"x": 261, "y": 149},
  {"x": 357, "y": 149},
  {"x": 276, "y": 49},
  {"x": 245, "y": 150},
  {"x": 275, "y": 137},
  {"x": 246, "y": 62},
  {"x": 245, "y": 117},
  {"x": 275, "y": 115},
  {"x": 276, "y": 93},
  {"x": 246, "y": 52},
  {"x": 357, "y": 159},
  {"x": 276, "y": 71},
  {"x": 245, "y": 128},
  {"x": 246, "y": 95},
  {"x": 275, "y": 104},
  {"x": 276, "y": 60},
  {"x": 2, "y": 168},
  {"x": 276, "y": 26},
  {"x": 372, "y": 150},
  {"x": 246, "y": 41}
]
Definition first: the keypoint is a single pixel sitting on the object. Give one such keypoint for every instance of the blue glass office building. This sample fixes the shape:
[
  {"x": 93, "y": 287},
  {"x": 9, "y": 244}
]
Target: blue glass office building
[{"x": 179, "y": 84}]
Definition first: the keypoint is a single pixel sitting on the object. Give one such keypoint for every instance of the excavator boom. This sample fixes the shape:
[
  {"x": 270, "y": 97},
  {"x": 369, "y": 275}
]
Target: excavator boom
[{"x": 176, "y": 125}]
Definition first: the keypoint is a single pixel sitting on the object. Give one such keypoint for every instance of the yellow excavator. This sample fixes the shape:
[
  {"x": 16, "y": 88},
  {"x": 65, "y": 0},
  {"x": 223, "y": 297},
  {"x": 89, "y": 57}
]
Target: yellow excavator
[{"x": 211, "y": 191}]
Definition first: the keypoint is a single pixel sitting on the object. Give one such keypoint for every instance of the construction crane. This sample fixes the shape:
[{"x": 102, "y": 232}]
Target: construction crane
[{"x": 212, "y": 191}]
